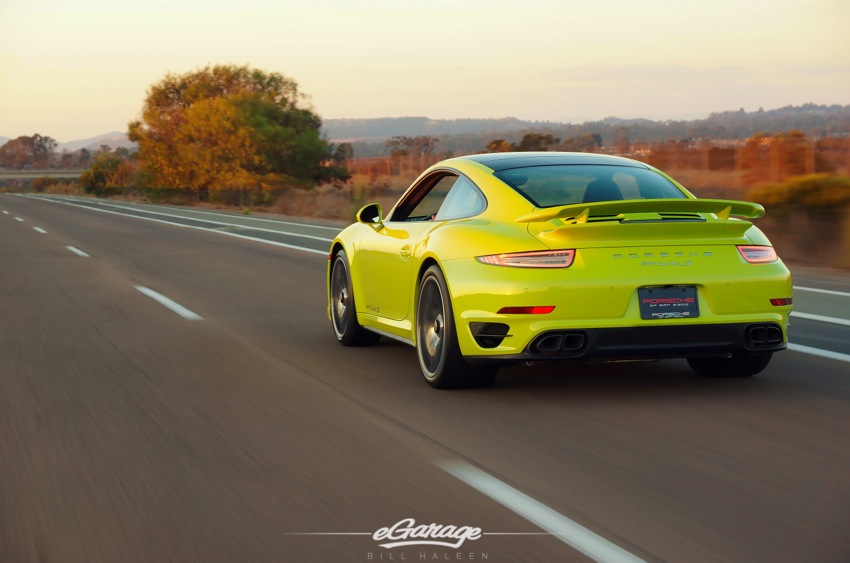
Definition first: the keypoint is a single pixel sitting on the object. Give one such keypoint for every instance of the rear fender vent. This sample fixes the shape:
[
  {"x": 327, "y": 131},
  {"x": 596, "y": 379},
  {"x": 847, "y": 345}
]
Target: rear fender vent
[{"x": 489, "y": 335}]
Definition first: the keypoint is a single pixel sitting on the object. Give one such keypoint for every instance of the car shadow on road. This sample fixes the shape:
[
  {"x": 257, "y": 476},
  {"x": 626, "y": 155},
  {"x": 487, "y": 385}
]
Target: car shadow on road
[{"x": 634, "y": 379}]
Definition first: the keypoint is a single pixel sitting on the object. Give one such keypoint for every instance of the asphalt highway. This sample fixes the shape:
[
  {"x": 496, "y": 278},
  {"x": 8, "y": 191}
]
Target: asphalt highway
[{"x": 171, "y": 390}]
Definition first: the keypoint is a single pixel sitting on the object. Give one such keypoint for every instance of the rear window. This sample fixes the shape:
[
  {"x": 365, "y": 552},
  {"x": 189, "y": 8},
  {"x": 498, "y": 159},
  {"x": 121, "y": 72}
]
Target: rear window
[{"x": 550, "y": 186}]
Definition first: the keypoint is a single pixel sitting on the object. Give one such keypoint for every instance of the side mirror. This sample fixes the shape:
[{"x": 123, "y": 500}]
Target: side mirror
[{"x": 371, "y": 215}]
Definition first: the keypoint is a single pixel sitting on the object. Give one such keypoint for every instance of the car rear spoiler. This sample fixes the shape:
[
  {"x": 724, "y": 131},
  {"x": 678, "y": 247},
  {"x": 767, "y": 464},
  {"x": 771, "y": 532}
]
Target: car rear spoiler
[{"x": 581, "y": 212}]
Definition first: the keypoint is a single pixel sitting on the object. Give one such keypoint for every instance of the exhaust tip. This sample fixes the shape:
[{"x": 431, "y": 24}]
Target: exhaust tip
[
  {"x": 767, "y": 334},
  {"x": 558, "y": 343}
]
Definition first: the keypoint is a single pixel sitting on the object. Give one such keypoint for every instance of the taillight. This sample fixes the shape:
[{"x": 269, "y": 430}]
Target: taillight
[
  {"x": 533, "y": 310},
  {"x": 538, "y": 259},
  {"x": 758, "y": 254},
  {"x": 783, "y": 302}
]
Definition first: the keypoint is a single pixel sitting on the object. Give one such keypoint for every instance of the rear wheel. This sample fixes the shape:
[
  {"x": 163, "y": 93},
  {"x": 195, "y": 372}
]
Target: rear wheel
[
  {"x": 343, "y": 313},
  {"x": 439, "y": 354},
  {"x": 739, "y": 365}
]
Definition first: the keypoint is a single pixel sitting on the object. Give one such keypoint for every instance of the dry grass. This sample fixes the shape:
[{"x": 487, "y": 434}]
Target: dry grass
[{"x": 331, "y": 201}]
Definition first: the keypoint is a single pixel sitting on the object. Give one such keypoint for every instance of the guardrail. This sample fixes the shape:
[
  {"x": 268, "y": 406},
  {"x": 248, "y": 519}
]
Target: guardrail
[{"x": 33, "y": 174}]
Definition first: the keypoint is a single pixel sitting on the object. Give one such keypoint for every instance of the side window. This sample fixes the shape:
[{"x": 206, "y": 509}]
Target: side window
[
  {"x": 429, "y": 205},
  {"x": 464, "y": 200},
  {"x": 424, "y": 203}
]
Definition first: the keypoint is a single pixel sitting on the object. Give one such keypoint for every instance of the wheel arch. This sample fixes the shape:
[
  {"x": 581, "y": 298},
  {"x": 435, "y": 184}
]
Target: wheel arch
[
  {"x": 336, "y": 246},
  {"x": 426, "y": 263}
]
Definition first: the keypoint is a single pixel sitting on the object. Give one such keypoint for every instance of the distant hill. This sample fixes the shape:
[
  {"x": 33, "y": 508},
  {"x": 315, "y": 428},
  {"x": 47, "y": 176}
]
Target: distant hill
[
  {"x": 114, "y": 140},
  {"x": 472, "y": 135},
  {"x": 385, "y": 127}
]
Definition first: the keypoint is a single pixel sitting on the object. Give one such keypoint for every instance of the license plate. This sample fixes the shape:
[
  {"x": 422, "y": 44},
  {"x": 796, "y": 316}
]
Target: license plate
[{"x": 672, "y": 302}]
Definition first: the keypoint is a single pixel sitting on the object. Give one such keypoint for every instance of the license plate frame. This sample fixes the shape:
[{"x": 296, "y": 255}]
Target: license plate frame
[{"x": 668, "y": 302}]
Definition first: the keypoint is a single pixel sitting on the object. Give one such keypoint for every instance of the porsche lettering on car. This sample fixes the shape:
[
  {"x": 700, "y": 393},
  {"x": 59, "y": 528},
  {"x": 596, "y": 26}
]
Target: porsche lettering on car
[{"x": 493, "y": 259}]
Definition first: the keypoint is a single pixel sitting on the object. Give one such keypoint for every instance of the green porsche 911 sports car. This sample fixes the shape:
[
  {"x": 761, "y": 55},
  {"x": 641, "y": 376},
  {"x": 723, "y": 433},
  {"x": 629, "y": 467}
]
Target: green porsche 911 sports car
[{"x": 498, "y": 258}]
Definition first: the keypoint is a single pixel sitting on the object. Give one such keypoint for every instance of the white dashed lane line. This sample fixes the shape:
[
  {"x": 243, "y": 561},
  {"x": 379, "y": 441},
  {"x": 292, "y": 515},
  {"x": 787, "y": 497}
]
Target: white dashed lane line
[
  {"x": 174, "y": 306},
  {"x": 39, "y": 230},
  {"x": 19, "y": 219},
  {"x": 78, "y": 252}
]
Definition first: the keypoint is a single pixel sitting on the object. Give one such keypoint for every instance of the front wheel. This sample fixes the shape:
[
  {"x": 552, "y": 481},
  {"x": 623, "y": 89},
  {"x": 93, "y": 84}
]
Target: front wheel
[
  {"x": 343, "y": 313},
  {"x": 739, "y": 365},
  {"x": 439, "y": 354}
]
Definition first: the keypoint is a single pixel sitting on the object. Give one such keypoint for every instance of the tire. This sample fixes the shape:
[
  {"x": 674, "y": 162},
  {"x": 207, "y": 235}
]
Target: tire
[
  {"x": 739, "y": 365},
  {"x": 343, "y": 312},
  {"x": 439, "y": 354}
]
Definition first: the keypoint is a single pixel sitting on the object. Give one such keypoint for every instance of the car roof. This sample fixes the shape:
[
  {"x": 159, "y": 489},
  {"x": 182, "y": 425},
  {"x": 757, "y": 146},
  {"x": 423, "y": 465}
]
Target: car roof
[{"x": 507, "y": 160}]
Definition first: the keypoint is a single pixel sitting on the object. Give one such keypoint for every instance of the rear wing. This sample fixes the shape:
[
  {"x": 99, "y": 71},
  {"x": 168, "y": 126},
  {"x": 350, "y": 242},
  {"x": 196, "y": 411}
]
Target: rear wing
[{"x": 581, "y": 212}]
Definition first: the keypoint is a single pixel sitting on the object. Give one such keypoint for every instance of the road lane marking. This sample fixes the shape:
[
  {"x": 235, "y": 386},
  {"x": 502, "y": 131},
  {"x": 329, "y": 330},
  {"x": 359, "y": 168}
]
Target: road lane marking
[
  {"x": 821, "y": 318},
  {"x": 5, "y": 212},
  {"x": 39, "y": 230},
  {"x": 827, "y": 291},
  {"x": 19, "y": 219},
  {"x": 818, "y": 352},
  {"x": 216, "y": 231},
  {"x": 573, "y": 534},
  {"x": 237, "y": 225},
  {"x": 276, "y": 221},
  {"x": 163, "y": 300},
  {"x": 78, "y": 252},
  {"x": 141, "y": 206}
]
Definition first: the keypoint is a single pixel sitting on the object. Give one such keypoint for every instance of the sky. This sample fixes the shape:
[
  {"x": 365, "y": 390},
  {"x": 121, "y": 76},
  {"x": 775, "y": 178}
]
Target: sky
[{"x": 73, "y": 69}]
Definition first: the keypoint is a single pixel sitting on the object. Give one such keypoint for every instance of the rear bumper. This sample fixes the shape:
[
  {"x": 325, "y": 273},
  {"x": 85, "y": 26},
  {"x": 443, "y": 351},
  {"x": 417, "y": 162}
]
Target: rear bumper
[{"x": 648, "y": 342}]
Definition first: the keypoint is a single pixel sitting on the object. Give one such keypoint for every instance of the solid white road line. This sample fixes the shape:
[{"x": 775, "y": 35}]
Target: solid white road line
[
  {"x": 220, "y": 232},
  {"x": 237, "y": 225},
  {"x": 821, "y": 318},
  {"x": 575, "y": 535},
  {"x": 163, "y": 300},
  {"x": 818, "y": 352},
  {"x": 827, "y": 291},
  {"x": 275, "y": 221},
  {"x": 39, "y": 230},
  {"x": 78, "y": 252}
]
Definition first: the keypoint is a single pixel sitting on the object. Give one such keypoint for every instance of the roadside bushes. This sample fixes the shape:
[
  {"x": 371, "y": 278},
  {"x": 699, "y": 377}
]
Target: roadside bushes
[
  {"x": 807, "y": 219},
  {"x": 820, "y": 191}
]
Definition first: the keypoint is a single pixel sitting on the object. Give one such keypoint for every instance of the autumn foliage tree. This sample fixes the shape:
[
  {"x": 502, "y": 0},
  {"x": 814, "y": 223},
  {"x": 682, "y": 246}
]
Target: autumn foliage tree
[
  {"x": 27, "y": 152},
  {"x": 108, "y": 173},
  {"x": 225, "y": 128}
]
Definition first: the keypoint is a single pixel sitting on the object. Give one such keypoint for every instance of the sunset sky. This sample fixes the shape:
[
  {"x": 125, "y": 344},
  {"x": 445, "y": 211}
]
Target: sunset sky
[{"x": 76, "y": 69}]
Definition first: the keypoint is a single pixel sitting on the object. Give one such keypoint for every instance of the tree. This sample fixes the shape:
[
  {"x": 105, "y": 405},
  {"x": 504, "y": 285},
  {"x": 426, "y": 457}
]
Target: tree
[
  {"x": 227, "y": 127},
  {"x": 28, "y": 152},
  {"x": 498, "y": 145},
  {"x": 402, "y": 145},
  {"x": 108, "y": 173},
  {"x": 583, "y": 143},
  {"x": 621, "y": 140},
  {"x": 536, "y": 142},
  {"x": 342, "y": 153}
]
